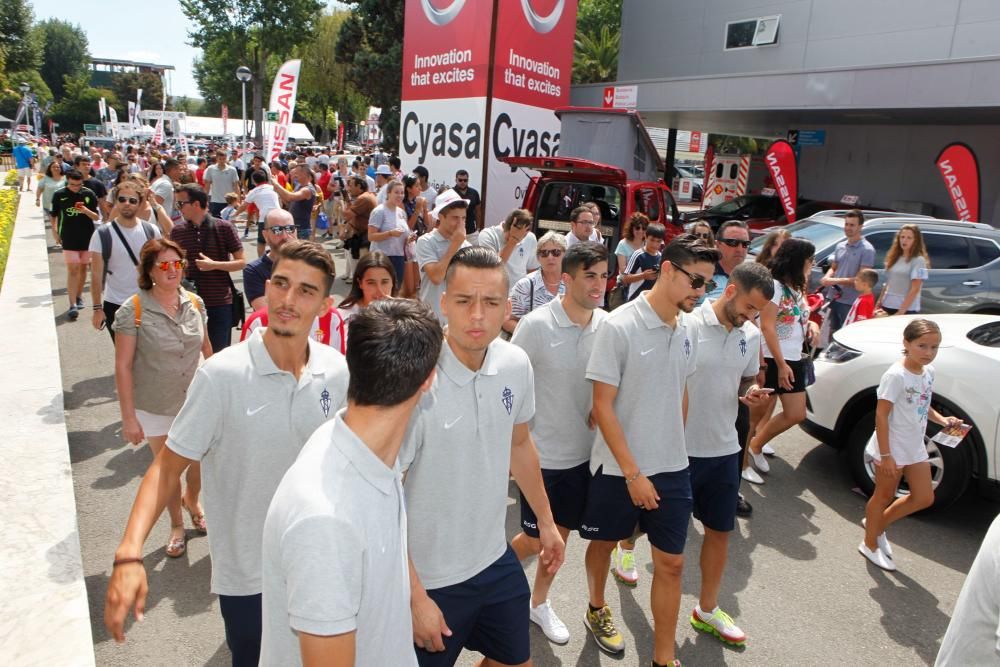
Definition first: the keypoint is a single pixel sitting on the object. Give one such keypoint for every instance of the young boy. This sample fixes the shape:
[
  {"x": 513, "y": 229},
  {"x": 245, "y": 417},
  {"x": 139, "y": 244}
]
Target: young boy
[
  {"x": 644, "y": 265},
  {"x": 864, "y": 305},
  {"x": 232, "y": 201}
]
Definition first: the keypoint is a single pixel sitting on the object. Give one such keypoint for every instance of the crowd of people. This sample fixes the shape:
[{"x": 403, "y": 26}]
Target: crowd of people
[{"x": 356, "y": 455}]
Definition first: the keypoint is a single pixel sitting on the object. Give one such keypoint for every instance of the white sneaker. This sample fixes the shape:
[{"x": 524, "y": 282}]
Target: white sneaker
[
  {"x": 750, "y": 475},
  {"x": 882, "y": 540},
  {"x": 767, "y": 450},
  {"x": 877, "y": 557},
  {"x": 760, "y": 462},
  {"x": 545, "y": 618}
]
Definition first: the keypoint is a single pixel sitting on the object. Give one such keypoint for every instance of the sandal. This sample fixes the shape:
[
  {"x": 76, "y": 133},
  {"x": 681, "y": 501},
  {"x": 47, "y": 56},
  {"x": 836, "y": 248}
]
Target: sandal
[
  {"x": 197, "y": 520},
  {"x": 177, "y": 545}
]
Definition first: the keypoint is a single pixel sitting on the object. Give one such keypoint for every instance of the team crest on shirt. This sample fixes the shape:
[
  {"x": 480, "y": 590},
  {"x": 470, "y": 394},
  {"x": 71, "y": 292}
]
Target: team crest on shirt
[
  {"x": 687, "y": 346},
  {"x": 508, "y": 399},
  {"x": 743, "y": 346},
  {"x": 324, "y": 402}
]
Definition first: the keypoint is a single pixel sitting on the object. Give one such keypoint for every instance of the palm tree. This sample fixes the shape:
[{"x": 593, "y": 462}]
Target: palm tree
[{"x": 595, "y": 57}]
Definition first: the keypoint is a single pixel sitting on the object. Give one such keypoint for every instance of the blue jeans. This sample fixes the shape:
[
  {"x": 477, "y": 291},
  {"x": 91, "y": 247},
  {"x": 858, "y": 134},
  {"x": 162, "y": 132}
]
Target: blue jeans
[
  {"x": 215, "y": 208},
  {"x": 241, "y": 615},
  {"x": 839, "y": 310},
  {"x": 220, "y": 326}
]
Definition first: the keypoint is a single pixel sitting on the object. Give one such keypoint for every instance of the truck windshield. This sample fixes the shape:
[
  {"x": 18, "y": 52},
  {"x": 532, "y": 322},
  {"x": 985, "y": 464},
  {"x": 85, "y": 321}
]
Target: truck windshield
[{"x": 558, "y": 200}]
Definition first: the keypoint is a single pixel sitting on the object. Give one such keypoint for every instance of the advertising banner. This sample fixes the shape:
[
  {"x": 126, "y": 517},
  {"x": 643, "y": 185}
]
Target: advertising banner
[
  {"x": 225, "y": 119},
  {"x": 709, "y": 169},
  {"x": 158, "y": 132},
  {"x": 444, "y": 136},
  {"x": 113, "y": 117},
  {"x": 102, "y": 108},
  {"x": 780, "y": 160},
  {"x": 184, "y": 143},
  {"x": 340, "y": 137},
  {"x": 960, "y": 170},
  {"x": 131, "y": 114},
  {"x": 283, "y": 91}
]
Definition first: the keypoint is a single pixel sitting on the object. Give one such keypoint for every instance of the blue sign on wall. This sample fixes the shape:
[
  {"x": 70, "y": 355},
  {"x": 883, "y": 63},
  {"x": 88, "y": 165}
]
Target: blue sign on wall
[{"x": 812, "y": 137}]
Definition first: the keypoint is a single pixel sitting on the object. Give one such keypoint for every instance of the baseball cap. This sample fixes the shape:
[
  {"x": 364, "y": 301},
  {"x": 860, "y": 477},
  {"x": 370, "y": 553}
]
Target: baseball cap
[
  {"x": 447, "y": 199},
  {"x": 384, "y": 170}
]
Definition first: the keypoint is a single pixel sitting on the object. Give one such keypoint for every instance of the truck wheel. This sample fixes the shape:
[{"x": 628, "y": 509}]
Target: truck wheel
[{"x": 951, "y": 468}]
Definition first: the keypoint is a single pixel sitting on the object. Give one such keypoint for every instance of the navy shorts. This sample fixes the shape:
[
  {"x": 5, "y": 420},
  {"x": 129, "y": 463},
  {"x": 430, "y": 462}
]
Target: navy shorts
[
  {"x": 715, "y": 485},
  {"x": 611, "y": 515},
  {"x": 487, "y": 614},
  {"x": 567, "y": 492}
]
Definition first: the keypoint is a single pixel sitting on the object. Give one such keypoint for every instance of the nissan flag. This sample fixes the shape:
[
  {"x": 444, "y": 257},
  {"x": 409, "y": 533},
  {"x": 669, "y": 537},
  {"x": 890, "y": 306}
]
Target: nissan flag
[
  {"x": 158, "y": 133},
  {"x": 709, "y": 168},
  {"x": 960, "y": 171},
  {"x": 225, "y": 118},
  {"x": 286, "y": 83},
  {"x": 780, "y": 159},
  {"x": 340, "y": 136}
]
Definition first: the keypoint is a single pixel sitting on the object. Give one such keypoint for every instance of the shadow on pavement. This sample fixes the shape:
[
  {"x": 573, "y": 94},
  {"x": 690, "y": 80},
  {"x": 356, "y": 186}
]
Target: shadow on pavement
[
  {"x": 91, "y": 392},
  {"x": 786, "y": 533},
  {"x": 85, "y": 445},
  {"x": 125, "y": 466},
  {"x": 901, "y": 598}
]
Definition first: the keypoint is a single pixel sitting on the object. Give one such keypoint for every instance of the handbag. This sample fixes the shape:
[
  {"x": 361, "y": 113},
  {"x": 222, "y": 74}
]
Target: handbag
[
  {"x": 238, "y": 309},
  {"x": 617, "y": 295}
]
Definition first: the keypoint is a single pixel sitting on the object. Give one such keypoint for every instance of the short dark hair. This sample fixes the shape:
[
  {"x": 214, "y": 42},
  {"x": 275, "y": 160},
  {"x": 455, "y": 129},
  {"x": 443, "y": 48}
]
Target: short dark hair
[
  {"x": 313, "y": 254},
  {"x": 729, "y": 224},
  {"x": 81, "y": 158},
  {"x": 688, "y": 249},
  {"x": 868, "y": 277},
  {"x": 476, "y": 257},
  {"x": 170, "y": 164},
  {"x": 750, "y": 276},
  {"x": 656, "y": 231},
  {"x": 259, "y": 176},
  {"x": 788, "y": 262},
  {"x": 395, "y": 163},
  {"x": 196, "y": 193},
  {"x": 519, "y": 217},
  {"x": 360, "y": 182},
  {"x": 856, "y": 214},
  {"x": 461, "y": 172},
  {"x": 421, "y": 171},
  {"x": 74, "y": 175},
  {"x": 392, "y": 350},
  {"x": 202, "y": 160},
  {"x": 583, "y": 256},
  {"x": 576, "y": 212}
]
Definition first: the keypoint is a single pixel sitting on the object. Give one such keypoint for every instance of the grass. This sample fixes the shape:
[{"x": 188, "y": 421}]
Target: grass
[{"x": 8, "y": 211}]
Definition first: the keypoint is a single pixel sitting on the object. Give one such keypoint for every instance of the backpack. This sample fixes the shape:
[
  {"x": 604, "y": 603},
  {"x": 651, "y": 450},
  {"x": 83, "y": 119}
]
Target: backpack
[
  {"x": 104, "y": 233},
  {"x": 138, "y": 306}
]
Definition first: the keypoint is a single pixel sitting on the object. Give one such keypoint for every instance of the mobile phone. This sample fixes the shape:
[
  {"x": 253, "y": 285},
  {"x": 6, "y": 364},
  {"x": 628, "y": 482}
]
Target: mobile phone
[{"x": 764, "y": 390}]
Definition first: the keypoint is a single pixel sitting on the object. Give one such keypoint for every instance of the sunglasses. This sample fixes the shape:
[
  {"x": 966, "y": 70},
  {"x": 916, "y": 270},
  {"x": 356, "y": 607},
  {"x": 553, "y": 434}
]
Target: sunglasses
[
  {"x": 130, "y": 200},
  {"x": 705, "y": 235},
  {"x": 697, "y": 282},
  {"x": 734, "y": 243},
  {"x": 555, "y": 252},
  {"x": 282, "y": 229},
  {"x": 461, "y": 180},
  {"x": 176, "y": 264}
]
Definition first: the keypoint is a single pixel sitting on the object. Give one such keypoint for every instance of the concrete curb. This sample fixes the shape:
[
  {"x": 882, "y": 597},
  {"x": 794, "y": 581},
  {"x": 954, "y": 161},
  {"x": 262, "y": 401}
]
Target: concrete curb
[{"x": 44, "y": 617}]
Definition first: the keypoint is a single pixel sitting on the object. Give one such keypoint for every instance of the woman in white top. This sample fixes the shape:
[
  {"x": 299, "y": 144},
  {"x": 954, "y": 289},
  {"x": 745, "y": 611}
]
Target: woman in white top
[
  {"x": 52, "y": 180},
  {"x": 906, "y": 267},
  {"x": 633, "y": 238},
  {"x": 388, "y": 230},
  {"x": 374, "y": 279},
  {"x": 539, "y": 287},
  {"x": 785, "y": 325}
]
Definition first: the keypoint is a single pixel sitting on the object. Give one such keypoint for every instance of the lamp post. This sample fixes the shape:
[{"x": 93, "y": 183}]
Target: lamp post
[
  {"x": 243, "y": 74},
  {"x": 23, "y": 106}
]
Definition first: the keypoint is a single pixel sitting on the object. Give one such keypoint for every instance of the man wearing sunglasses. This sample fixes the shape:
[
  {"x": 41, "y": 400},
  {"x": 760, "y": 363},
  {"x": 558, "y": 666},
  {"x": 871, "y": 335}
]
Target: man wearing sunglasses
[
  {"x": 120, "y": 242},
  {"x": 639, "y": 460},
  {"x": 474, "y": 216},
  {"x": 279, "y": 228}
]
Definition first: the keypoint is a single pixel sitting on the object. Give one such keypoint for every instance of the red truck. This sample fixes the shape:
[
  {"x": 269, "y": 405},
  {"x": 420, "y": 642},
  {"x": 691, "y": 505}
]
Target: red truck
[{"x": 622, "y": 174}]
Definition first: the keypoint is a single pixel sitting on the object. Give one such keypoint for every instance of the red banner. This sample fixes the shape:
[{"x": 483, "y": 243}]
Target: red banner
[
  {"x": 340, "y": 137},
  {"x": 780, "y": 159},
  {"x": 960, "y": 171}
]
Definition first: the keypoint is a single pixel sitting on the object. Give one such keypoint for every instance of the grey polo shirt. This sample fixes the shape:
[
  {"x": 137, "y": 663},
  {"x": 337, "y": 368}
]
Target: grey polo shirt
[
  {"x": 724, "y": 359},
  {"x": 649, "y": 362},
  {"x": 559, "y": 351},
  {"x": 335, "y": 553},
  {"x": 850, "y": 257},
  {"x": 457, "y": 461},
  {"x": 246, "y": 421},
  {"x": 430, "y": 249}
]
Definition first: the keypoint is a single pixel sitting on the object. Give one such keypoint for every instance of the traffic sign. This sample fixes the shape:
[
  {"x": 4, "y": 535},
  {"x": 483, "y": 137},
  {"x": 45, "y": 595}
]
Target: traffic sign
[
  {"x": 272, "y": 117},
  {"x": 620, "y": 97},
  {"x": 89, "y": 127}
]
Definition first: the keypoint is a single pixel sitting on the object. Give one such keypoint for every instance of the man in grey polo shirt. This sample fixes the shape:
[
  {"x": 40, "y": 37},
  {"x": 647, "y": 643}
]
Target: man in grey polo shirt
[
  {"x": 851, "y": 255},
  {"x": 435, "y": 250},
  {"x": 336, "y": 579},
  {"x": 248, "y": 412},
  {"x": 468, "y": 436},
  {"x": 639, "y": 462},
  {"x": 728, "y": 361},
  {"x": 558, "y": 338}
]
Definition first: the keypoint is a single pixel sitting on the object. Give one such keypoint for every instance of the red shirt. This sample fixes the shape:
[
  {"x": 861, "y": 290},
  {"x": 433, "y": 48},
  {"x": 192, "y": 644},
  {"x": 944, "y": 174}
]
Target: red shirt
[
  {"x": 328, "y": 329},
  {"x": 324, "y": 184},
  {"x": 199, "y": 175},
  {"x": 863, "y": 309}
]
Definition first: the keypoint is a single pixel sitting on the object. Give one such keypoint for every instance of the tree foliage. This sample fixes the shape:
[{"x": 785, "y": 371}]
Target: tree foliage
[
  {"x": 21, "y": 45},
  {"x": 11, "y": 97},
  {"x": 64, "y": 52},
  {"x": 371, "y": 42},
  {"x": 592, "y": 15},
  {"x": 598, "y": 38},
  {"x": 125, "y": 86},
  {"x": 79, "y": 103}
]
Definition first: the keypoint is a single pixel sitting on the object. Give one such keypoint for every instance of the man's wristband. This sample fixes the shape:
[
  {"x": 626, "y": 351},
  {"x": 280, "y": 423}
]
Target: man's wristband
[
  {"x": 629, "y": 480},
  {"x": 125, "y": 561},
  {"x": 98, "y": 307}
]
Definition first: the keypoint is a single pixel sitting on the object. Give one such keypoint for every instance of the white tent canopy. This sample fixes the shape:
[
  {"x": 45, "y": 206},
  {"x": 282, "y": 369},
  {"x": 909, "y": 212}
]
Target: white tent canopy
[{"x": 207, "y": 126}]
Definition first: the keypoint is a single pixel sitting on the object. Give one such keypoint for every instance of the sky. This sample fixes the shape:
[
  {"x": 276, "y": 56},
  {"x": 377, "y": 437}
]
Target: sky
[{"x": 126, "y": 30}]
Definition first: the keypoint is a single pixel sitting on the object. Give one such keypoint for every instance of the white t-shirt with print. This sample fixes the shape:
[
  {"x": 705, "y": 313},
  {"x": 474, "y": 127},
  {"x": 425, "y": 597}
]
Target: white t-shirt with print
[
  {"x": 910, "y": 394},
  {"x": 789, "y": 324}
]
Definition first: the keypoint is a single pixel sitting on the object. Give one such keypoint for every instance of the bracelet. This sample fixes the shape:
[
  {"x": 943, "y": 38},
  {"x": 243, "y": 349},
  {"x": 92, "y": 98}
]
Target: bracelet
[
  {"x": 882, "y": 456},
  {"x": 763, "y": 367},
  {"x": 125, "y": 561},
  {"x": 98, "y": 307},
  {"x": 629, "y": 480}
]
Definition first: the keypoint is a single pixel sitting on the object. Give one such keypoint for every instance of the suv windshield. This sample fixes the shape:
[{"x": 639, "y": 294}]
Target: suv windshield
[
  {"x": 820, "y": 234},
  {"x": 560, "y": 198},
  {"x": 987, "y": 334},
  {"x": 730, "y": 206}
]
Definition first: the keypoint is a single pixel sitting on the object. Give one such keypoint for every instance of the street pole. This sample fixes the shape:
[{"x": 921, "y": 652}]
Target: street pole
[{"x": 243, "y": 74}]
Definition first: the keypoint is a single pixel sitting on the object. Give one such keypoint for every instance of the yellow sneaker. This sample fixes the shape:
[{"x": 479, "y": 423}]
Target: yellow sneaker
[{"x": 603, "y": 629}]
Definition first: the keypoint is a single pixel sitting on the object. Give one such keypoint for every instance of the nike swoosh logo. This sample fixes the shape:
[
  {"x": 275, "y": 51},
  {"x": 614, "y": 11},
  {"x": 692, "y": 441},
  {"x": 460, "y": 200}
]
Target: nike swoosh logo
[
  {"x": 251, "y": 413},
  {"x": 448, "y": 425},
  {"x": 557, "y": 343},
  {"x": 643, "y": 353}
]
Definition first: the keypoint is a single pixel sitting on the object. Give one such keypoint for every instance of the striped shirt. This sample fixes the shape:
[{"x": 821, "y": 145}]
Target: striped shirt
[{"x": 218, "y": 240}]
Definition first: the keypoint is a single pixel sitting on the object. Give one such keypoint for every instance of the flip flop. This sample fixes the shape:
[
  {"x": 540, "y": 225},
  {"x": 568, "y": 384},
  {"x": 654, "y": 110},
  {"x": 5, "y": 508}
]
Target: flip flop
[
  {"x": 176, "y": 547},
  {"x": 197, "y": 519}
]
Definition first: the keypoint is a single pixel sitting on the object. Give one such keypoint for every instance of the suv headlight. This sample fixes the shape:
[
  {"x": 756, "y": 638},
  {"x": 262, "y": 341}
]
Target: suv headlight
[{"x": 836, "y": 353}]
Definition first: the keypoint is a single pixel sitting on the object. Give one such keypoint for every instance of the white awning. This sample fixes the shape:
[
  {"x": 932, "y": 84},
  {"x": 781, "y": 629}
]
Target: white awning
[{"x": 208, "y": 126}]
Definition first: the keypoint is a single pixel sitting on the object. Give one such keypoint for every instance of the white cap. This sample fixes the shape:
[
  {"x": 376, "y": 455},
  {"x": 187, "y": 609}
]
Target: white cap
[{"x": 446, "y": 199}]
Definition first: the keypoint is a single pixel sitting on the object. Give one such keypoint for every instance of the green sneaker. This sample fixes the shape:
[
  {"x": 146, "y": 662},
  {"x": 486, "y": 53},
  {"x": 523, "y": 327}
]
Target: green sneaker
[
  {"x": 603, "y": 629},
  {"x": 623, "y": 567},
  {"x": 720, "y": 624}
]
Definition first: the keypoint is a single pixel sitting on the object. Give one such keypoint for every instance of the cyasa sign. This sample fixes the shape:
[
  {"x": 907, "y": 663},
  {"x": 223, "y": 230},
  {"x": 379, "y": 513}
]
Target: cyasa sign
[
  {"x": 960, "y": 171},
  {"x": 286, "y": 84},
  {"x": 780, "y": 160}
]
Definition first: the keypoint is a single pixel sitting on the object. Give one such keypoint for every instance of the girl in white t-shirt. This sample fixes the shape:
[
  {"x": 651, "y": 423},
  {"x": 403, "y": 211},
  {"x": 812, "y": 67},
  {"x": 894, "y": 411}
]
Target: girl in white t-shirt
[{"x": 897, "y": 446}]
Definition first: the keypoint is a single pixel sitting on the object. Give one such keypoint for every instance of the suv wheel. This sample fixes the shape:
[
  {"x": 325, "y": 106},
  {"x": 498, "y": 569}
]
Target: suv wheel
[{"x": 951, "y": 468}]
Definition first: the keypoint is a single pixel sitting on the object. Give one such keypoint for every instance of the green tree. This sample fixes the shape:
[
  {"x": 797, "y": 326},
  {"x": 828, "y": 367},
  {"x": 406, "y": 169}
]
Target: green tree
[
  {"x": 21, "y": 45},
  {"x": 259, "y": 29},
  {"x": 215, "y": 74},
  {"x": 79, "y": 103},
  {"x": 10, "y": 97},
  {"x": 125, "y": 85},
  {"x": 595, "y": 56},
  {"x": 64, "y": 52},
  {"x": 592, "y": 15},
  {"x": 370, "y": 41}
]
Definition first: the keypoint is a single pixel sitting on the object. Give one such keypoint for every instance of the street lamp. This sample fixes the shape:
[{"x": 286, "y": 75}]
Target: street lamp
[
  {"x": 362, "y": 136},
  {"x": 22, "y": 108},
  {"x": 243, "y": 74}
]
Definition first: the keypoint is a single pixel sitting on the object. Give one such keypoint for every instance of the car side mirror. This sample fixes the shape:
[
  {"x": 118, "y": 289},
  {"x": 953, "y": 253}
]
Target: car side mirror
[{"x": 824, "y": 265}]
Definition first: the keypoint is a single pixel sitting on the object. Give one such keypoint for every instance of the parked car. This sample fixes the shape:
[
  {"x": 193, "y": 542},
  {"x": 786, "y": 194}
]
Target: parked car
[
  {"x": 964, "y": 274},
  {"x": 761, "y": 212},
  {"x": 696, "y": 188},
  {"x": 840, "y": 406}
]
